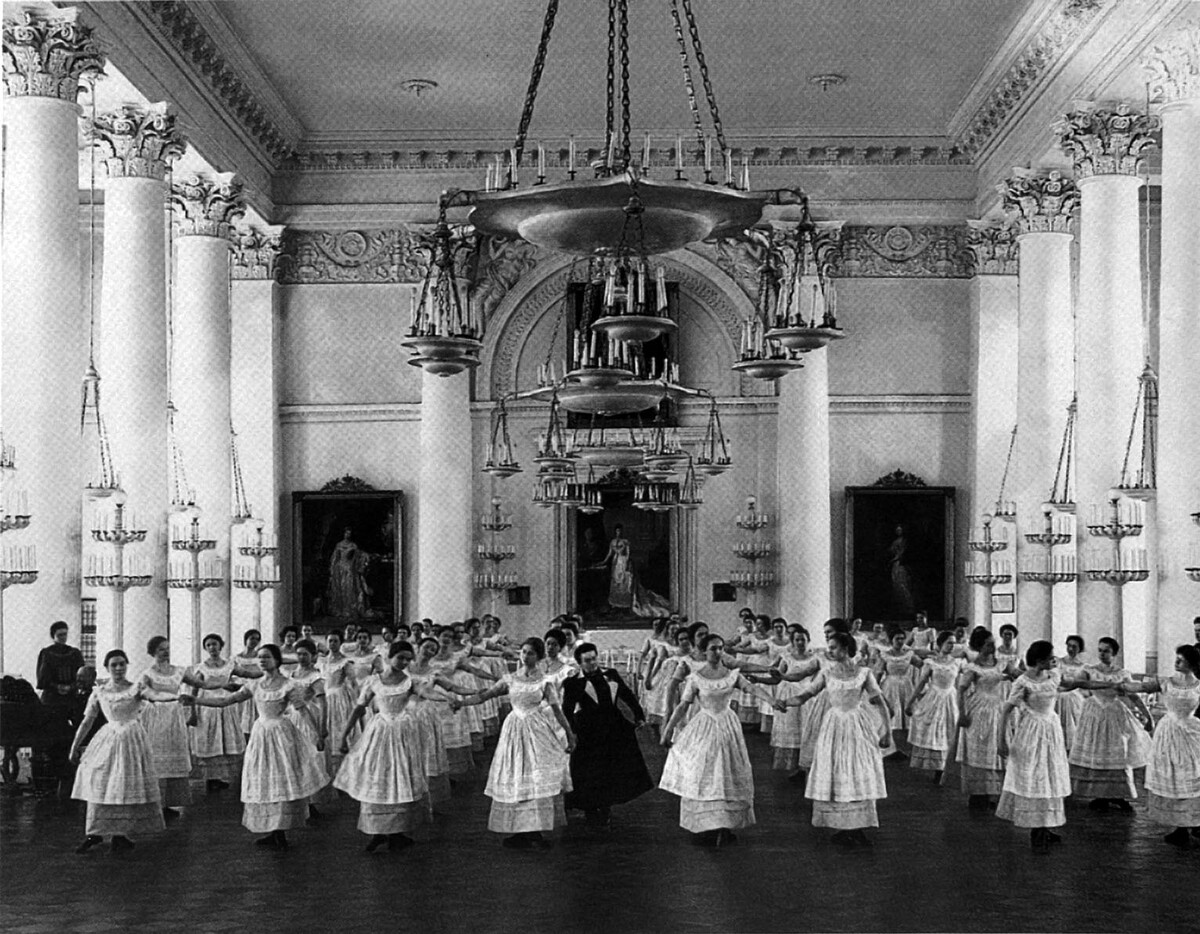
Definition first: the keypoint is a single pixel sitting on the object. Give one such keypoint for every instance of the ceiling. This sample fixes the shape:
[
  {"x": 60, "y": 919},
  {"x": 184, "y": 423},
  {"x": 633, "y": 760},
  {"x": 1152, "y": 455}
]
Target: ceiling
[{"x": 339, "y": 67}]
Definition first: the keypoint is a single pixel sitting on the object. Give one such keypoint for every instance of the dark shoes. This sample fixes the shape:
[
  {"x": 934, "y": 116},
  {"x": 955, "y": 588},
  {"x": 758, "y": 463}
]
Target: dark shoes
[
  {"x": 88, "y": 843},
  {"x": 1179, "y": 838},
  {"x": 120, "y": 844},
  {"x": 376, "y": 842},
  {"x": 399, "y": 841},
  {"x": 275, "y": 840}
]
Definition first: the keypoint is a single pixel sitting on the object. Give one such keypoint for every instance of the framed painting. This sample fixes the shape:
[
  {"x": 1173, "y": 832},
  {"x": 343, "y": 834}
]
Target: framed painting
[
  {"x": 623, "y": 562},
  {"x": 899, "y": 552},
  {"x": 347, "y": 556}
]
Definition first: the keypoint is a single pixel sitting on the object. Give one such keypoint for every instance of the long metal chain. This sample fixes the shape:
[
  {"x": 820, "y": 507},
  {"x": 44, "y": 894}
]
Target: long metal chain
[
  {"x": 688, "y": 84},
  {"x": 535, "y": 77},
  {"x": 623, "y": 6},
  {"x": 708, "y": 88},
  {"x": 610, "y": 111}
]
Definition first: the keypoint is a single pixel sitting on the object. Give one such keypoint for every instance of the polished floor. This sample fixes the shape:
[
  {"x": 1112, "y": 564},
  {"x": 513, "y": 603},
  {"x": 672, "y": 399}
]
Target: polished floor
[{"x": 934, "y": 866}]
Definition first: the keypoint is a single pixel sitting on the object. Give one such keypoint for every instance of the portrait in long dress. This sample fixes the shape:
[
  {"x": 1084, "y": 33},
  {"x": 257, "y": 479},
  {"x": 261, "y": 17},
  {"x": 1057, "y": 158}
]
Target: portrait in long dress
[{"x": 623, "y": 563}]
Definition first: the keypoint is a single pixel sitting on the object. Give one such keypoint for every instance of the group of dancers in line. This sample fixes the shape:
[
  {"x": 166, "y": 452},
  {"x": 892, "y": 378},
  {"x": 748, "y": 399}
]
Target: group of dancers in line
[{"x": 393, "y": 726}]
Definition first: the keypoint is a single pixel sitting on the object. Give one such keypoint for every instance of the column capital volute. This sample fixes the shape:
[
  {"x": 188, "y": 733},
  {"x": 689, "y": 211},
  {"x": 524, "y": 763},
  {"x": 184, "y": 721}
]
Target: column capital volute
[
  {"x": 1040, "y": 201},
  {"x": 256, "y": 251},
  {"x": 993, "y": 244},
  {"x": 207, "y": 205},
  {"x": 1173, "y": 66},
  {"x": 46, "y": 56},
  {"x": 1106, "y": 139},
  {"x": 138, "y": 141}
]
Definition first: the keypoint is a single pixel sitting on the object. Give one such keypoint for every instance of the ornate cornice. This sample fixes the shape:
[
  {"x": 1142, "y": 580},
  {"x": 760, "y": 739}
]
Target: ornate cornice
[
  {"x": 207, "y": 206},
  {"x": 46, "y": 56},
  {"x": 1042, "y": 53},
  {"x": 1106, "y": 140},
  {"x": 1174, "y": 66},
  {"x": 994, "y": 247},
  {"x": 139, "y": 142},
  {"x": 1040, "y": 202},
  {"x": 256, "y": 252},
  {"x": 395, "y": 255},
  {"x": 188, "y": 35},
  {"x": 931, "y": 251}
]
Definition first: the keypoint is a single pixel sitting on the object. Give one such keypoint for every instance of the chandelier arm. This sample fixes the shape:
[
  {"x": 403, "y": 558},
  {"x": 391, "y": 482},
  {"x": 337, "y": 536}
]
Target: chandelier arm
[
  {"x": 535, "y": 77},
  {"x": 698, "y": 48},
  {"x": 688, "y": 83}
]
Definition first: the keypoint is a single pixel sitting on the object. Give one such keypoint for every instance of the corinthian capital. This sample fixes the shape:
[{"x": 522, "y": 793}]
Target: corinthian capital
[
  {"x": 1106, "y": 140},
  {"x": 207, "y": 206},
  {"x": 255, "y": 251},
  {"x": 994, "y": 247},
  {"x": 138, "y": 142},
  {"x": 45, "y": 56},
  {"x": 1174, "y": 66},
  {"x": 1040, "y": 202}
]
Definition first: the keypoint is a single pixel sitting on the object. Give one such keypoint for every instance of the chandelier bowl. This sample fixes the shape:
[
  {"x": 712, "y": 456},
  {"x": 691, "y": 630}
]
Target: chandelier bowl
[
  {"x": 612, "y": 455},
  {"x": 625, "y": 398},
  {"x": 768, "y": 368},
  {"x": 638, "y": 328},
  {"x": 443, "y": 366},
  {"x": 805, "y": 338},
  {"x": 442, "y": 348},
  {"x": 502, "y": 471},
  {"x": 600, "y": 377}
]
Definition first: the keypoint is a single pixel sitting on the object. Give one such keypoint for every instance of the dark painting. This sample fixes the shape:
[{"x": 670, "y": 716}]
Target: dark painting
[
  {"x": 899, "y": 553},
  {"x": 347, "y": 553},
  {"x": 622, "y": 563}
]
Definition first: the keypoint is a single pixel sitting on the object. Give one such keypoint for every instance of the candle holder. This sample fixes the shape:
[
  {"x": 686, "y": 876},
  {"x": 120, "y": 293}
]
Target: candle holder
[
  {"x": 1048, "y": 537},
  {"x": 987, "y": 544},
  {"x": 16, "y": 578},
  {"x": 13, "y": 523},
  {"x": 1193, "y": 574},
  {"x": 258, "y": 550},
  {"x": 753, "y": 550},
  {"x": 752, "y": 580},
  {"x": 494, "y": 552},
  {"x": 989, "y": 578},
  {"x": 195, "y": 583},
  {"x": 1049, "y": 578},
  {"x": 1118, "y": 577},
  {"x": 1115, "y": 528}
]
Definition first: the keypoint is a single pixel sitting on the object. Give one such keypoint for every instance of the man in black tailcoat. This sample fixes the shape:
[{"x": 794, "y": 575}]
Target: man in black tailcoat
[{"x": 607, "y": 767}]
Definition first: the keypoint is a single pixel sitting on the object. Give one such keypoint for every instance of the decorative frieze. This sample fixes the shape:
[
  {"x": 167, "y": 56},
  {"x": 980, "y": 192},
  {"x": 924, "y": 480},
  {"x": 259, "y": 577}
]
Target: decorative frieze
[
  {"x": 47, "y": 56},
  {"x": 207, "y": 206},
  {"x": 1106, "y": 140},
  {"x": 498, "y": 264},
  {"x": 138, "y": 142},
  {"x": 933, "y": 251},
  {"x": 256, "y": 252},
  {"x": 1174, "y": 66},
  {"x": 1040, "y": 202},
  {"x": 310, "y": 257},
  {"x": 994, "y": 248}
]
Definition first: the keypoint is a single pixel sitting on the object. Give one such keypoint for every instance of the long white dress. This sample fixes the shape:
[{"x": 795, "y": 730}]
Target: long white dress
[
  {"x": 531, "y": 768},
  {"x": 745, "y": 703},
  {"x": 787, "y": 729},
  {"x": 982, "y": 769},
  {"x": 245, "y": 709},
  {"x": 436, "y": 763},
  {"x": 456, "y": 732},
  {"x": 313, "y": 683},
  {"x": 116, "y": 772},
  {"x": 1070, "y": 703},
  {"x": 1036, "y": 777},
  {"x": 217, "y": 740},
  {"x": 707, "y": 765},
  {"x": 166, "y": 726},
  {"x": 340, "y": 694},
  {"x": 846, "y": 777},
  {"x": 282, "y": 769},
  {"x": 1109, "y": 742},
  {"x": 897, "y": 685},
  {"x": 385, "y": 771},
  {"x": 1173, "y": 773},
  {"x": 935, "y": 717}
]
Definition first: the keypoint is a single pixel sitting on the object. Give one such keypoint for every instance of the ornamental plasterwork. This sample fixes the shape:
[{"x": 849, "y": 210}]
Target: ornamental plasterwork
[
  {"x": 498, "y": 264},
  {"x": 1037, "y": 59},
  {"x": 189, "y": 37},
  {"x": 138, "y": 142},
  {"x": 256, "y": 252},
  {"x": 1174, "y": 66},
  {"x": 926, "y": 251},
  {"x": 994, "y": 247},
  {"x": 1106, "y": 140},
  {"x": 46, "y": 57},
  {"x": 1040, "y": 202},
  {"x": 207, "y": 206},
  {"x": 395, "y": 255}
]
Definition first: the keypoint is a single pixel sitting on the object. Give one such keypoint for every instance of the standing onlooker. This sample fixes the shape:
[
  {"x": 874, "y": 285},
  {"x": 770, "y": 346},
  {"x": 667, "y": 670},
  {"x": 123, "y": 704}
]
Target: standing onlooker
[{"x": 57, "y": 665}]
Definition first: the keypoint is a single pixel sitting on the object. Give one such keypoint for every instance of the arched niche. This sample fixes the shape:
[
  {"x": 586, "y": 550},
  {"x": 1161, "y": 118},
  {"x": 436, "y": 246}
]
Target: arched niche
[{"x": 526, "y": 324}]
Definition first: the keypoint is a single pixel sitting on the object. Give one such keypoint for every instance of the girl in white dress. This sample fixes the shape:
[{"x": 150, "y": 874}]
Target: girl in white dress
[
  {"x": 707, "y": 766},
  {"x": 365, "y": 659},
  {"x": 427, "y": 714},
  {"x": 1036, "y": 778},
  {"x": 1008, "y": 654},
  {"x": 981, "y": 702},
  {"x": 385, "y": 771},
  {"x": 650, "y": 648},
  {"x": 314, "y": 728},
  {"x": 755, "y": 645},
  {"x": 788, "y": 726},
  {"x": 1070, "y": 703},
  {"x": 1109, "y": 743},
  {"x": 166, "y": 724},
  {"x": 934, "y": 709},
  {"x": 341, "y": 691},
  {"x": 247, "y": 658},
  {"x": 846, "y": 778},
  {"x": 657, "y": 695},
  {"x": 282, "y": 770},
  {"x": 531, "y": 767},
  {"x": 116, "y": 773},
  {"x": 463, "y": 729},
  {"x": 1173, "y": 773},
  {"x": 777, "y": 644},
  {"x": 895, "y": 667},
  {"x": 922, "y": 636},
  {"x": 217, "y": 739},
  {"x": 290, "y": 636}
]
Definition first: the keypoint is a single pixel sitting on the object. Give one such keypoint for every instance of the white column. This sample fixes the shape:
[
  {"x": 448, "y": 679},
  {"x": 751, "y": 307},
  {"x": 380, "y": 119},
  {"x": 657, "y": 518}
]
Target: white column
[
  {"x": 1175, "y": 74},
  {"x": 45, "y": 323},
  {"x": 255, "y": 404},
  {"x": 204, "y": 210},
  {"x": 1107, "y": 147},
  {"x": 444, "y": 524},
  {"x": 993, "y": 380},
  {"x": 1043, "y": 204},
  {"x": 138, "y": 145}
]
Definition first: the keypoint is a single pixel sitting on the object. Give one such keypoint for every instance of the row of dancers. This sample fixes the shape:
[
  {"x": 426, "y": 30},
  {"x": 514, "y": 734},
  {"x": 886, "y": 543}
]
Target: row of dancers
[{"x": 393, "y": 733}]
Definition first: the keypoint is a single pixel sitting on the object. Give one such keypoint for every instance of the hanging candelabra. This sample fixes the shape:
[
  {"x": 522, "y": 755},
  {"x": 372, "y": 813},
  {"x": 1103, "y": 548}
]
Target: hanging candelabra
[
  {"x": 500, "y": 462},
  {"x": 800, "y": 321},
  {"x": 1062, "y": 492},
  {"x": 495, "y": 553},
  {"x": 713, "y": 457},
  {"x": 655, "y": 496},
  {"x": 689, "y": 490},
  {"x": 194, "y": 575},
  {"x": 18, "y": 563},
  {"x": 759, "y": 355},
  {"x": 753, "y": 550},
  {"x": 242, "y": 511},
  {"x": 1049, "y": 568},
  {"x": 1139, "y": 470},
  {"x": 988, "y": 571},
  {"x": 258, "y": 547},
  {"x": 593, "y": 497},
  {"x": 1006, "y": 508},
  {"x": 1123, "y": 520},
  {"x": 117, "y": 572}
]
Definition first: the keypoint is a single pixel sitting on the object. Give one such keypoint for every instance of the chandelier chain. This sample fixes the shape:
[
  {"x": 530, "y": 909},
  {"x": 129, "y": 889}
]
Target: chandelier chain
[
  {"x": 1012, "y": 443},
  {"x": 711, "y": 96},
  {"x": 610, "y": 101},
  {"x": 624, "y": 47},
  {"x": 688, "y": 84},
  {"x": 535, "y": 77}
]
